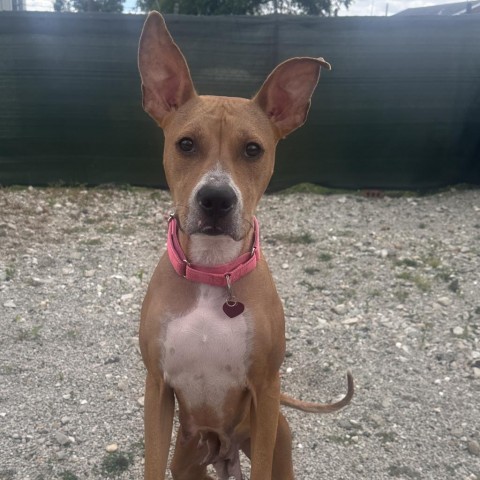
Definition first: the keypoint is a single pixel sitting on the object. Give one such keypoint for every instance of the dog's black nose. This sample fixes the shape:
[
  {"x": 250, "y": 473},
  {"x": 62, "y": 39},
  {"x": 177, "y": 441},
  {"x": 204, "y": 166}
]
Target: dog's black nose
[{"x": 216, "y": 202}]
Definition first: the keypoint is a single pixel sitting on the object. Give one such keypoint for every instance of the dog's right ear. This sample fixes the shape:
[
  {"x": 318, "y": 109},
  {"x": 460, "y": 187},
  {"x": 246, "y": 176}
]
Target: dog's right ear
[{"x": 166, "y": 81}]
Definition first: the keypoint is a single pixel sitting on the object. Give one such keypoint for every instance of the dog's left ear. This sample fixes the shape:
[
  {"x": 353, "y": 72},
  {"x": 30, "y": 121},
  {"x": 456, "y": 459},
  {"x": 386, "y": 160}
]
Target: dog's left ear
[{"x": 285, "y": 95}]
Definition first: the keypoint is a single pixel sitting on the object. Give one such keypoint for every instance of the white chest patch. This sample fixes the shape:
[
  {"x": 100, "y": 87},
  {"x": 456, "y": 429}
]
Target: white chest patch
[{"x": 205, "y": 352}]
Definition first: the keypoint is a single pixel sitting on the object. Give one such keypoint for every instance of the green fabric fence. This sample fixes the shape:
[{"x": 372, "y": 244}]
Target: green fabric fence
[{"x": 399, "y": 110}]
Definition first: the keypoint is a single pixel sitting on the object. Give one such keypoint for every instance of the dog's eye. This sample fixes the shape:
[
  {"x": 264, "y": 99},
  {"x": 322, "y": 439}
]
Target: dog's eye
[
  {"x": 253, "y": 150},
  {"x": 186, "y": 145}
]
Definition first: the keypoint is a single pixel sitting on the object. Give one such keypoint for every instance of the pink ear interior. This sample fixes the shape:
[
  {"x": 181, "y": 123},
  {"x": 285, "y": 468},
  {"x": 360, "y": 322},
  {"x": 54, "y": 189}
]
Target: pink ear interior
[
  {"x": 166, "y": 81},
  {"x": 285, "y": 95}
]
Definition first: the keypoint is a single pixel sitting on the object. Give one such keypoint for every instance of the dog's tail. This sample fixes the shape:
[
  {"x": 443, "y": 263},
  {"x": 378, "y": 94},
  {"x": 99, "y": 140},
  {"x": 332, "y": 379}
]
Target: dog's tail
[{"x": 312, "y": 407}]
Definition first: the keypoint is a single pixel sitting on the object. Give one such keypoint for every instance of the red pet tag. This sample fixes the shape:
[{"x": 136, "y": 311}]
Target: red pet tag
[{"x": 232, "y": 308}]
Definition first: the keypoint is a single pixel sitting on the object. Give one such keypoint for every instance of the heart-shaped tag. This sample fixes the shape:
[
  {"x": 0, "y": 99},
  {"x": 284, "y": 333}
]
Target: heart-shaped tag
[{"x": 233, "y": 309}]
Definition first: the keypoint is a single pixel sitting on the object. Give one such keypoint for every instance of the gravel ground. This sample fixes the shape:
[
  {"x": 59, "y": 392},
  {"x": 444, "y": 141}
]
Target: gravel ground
[{"x": 385, "y": 287}]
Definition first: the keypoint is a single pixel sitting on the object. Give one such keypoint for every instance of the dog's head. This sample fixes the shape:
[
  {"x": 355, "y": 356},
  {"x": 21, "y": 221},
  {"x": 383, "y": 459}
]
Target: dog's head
[{"x": 219, "y": 151}]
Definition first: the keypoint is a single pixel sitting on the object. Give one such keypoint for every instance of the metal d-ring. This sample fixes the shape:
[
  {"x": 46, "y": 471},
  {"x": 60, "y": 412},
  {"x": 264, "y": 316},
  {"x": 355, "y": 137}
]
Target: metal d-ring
[{"x": 231, "y": 301}]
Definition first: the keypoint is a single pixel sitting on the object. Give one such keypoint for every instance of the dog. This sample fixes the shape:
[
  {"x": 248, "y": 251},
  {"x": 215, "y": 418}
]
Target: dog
[{"x": 212, "y": 331}]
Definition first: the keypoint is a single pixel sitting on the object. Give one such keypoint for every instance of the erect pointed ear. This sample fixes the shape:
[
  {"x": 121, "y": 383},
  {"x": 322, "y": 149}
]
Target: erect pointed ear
[
  {"x": 285, "y": 95},
  {"x": 166, "y": 81}
]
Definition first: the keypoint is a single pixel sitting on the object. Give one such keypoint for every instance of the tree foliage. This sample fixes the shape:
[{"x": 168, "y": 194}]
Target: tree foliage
[
  {"x": 113, "y": 6},
  {"x": 202, "y": 7},
  {"x": 323, "y": 8}
]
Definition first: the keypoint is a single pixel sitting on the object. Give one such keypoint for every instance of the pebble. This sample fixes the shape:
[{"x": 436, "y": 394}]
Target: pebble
[
  {"x": 122, "y": 385},
  {"x": 89, "y": 273},
  {"x": 458, "y": 331},
  {"x": 457, "y": 432},
  {"x": 37, "y": 282},
  {"x": 444, "y": 301},
  {"x": 141, "y": 401},
  {"x": 62, "y": 439},
  {"x": 285, "y": 266},
  {"x": 377, "y": 420},
  {"x": 339, "y": 309},
  {"x": 473, "y": 447},
  {"x": 345, "y": 423},
  {"x": 113, "y": 447},
  {"x": 350, "y": 321},
  {"x": 386, "y": 403},
  {"x": 9, "y": 304},
  {"x": 61, "y": 455}
]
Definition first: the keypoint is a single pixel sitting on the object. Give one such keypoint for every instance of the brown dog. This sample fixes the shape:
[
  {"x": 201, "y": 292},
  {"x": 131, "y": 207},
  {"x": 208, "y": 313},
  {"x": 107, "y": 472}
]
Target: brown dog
[{"x": 212, "y": 329}]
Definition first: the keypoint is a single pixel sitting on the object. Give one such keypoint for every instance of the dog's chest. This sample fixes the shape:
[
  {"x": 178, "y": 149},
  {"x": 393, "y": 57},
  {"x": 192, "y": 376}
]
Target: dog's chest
[{"x": 205, "y": 352}]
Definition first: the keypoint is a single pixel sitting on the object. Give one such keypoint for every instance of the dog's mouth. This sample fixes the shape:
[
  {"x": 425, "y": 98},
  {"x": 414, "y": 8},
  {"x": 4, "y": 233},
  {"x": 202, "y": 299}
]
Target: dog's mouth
[
  {"x": 212, "y": 230},
  {"x": 217, "y": 227}
]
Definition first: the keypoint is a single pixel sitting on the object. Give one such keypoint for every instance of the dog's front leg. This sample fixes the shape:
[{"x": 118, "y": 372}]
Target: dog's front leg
[
  {"x": 264, "y": 421},
  {"x": 158, "y": 417}
]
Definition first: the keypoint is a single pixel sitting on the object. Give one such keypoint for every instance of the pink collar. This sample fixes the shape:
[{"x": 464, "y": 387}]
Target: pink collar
[{"x": 222, "y": 275}]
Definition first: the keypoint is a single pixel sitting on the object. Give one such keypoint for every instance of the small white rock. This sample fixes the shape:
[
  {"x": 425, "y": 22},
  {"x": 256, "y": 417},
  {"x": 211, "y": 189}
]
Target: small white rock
[
  {"x": 113, "y": 447},
  {"x": 340, "y": 309},
  {"x": 122, "y": 385},
  {"x": 444, "y": 301},
  {"x": 285, "y": 266},
  {"x": 141, "y": 401},
  {"x": 9, "y": 304},
  {"x": 37, "y": 282},
  {"x": 458, "y": 331}
]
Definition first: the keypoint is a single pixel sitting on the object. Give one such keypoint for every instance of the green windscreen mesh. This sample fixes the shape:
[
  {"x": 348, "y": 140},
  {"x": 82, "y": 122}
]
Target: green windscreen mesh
[{"x": 400, "y": 109}]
